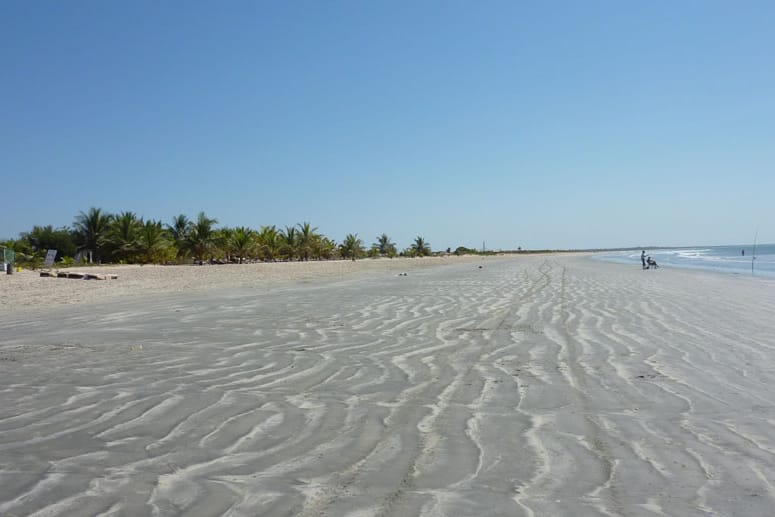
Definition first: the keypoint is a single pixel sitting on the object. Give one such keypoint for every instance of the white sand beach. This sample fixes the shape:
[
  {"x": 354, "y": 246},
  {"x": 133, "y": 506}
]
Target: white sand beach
[
  {"x": 28, "y": 290},
  {"x": 530, "y": 386}
]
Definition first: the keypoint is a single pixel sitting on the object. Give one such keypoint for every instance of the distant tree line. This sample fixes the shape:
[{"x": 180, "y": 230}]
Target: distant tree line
[{"x": 125, "y": 238}]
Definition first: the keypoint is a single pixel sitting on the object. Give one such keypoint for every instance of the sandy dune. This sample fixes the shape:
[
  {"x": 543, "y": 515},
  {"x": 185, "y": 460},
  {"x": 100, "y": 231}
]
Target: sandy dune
[{"x": 535, "y": 386}]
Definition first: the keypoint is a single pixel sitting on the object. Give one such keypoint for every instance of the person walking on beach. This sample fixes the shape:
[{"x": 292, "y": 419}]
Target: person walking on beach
[{"x": 643, "y": 258}]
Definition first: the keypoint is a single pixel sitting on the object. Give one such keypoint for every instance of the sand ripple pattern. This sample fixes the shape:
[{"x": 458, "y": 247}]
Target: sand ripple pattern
[{"x": 537, "y": 386}]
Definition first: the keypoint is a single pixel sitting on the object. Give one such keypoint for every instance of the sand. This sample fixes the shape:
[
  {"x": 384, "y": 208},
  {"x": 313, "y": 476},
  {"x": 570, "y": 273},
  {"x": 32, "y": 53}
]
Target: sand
[
  {"x": 535, "y": 385},
  {"x": 28, "y": 290}
]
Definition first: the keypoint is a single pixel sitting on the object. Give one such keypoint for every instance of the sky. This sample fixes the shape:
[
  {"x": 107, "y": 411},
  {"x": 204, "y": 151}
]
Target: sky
[{"x": 540, "y": 125}]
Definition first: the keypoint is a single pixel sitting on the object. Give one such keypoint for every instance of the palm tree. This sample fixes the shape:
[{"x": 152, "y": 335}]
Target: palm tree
[
  {"x": 352, "y": 247},
  {"x": 90, "y": 228},
  {"x": 221, "y": 244},
  {"x": 323, "y": 248},
  {"x": 385, "y": 246},
  {"x": 268, "y": 243},
  {"x": 201, "y": 237},
  {"x": 306, "y": 238},
  {"x": 178, "y": 230},
  {"x": 242, "y": 242},
  {"x": 122, "y": 236},
  {"x": 420, "y": 248},
  {"x": 153, "y": 244},
  {"x": 22, "y": 248},
  {"x": 289, "y": 242}
]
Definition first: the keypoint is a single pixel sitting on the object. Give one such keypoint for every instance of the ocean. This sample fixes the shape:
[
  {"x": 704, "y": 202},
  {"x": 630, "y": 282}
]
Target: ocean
[{"x": 733, "y": 259}]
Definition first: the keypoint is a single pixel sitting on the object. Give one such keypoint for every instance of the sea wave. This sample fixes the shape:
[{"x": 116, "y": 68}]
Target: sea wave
[{"x": 730, "y": 259}]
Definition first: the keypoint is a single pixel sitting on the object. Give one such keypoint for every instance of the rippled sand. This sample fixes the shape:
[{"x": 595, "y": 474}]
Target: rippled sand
[{"x": 536, "y": 386}]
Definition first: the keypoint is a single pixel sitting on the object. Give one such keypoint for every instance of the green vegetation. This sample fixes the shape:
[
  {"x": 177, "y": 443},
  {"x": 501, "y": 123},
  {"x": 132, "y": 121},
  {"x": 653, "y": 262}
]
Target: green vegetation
[
  {"x": 352, "y": 247},
  {"x": 384, "y": 247},
  {"x": 101, "y": 237},
  {"x": 420, "y": 248},
  {"x": 199, "y": 241},
  {"x": 90, "y": 230}
]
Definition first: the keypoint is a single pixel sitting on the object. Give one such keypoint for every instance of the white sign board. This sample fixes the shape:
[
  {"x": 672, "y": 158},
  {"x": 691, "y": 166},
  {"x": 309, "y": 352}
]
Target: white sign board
[{"x": 50, "y": 256}]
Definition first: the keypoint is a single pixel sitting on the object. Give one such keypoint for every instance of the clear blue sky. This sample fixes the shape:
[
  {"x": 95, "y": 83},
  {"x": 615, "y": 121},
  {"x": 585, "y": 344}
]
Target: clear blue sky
[{"x": 533, "y": 124}]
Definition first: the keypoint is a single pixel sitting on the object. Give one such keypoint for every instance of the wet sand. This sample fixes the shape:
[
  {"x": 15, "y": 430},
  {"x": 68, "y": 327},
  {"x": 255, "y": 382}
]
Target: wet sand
[{"x": 537, "y": 385}]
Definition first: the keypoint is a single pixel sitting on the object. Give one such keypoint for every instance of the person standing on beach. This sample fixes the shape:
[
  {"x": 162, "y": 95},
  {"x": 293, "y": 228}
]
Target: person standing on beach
[{"x": 643, "y": 258}]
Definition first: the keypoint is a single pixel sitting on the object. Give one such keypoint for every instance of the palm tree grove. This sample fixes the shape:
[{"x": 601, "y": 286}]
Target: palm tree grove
[{"x": 98, "y": 237}]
